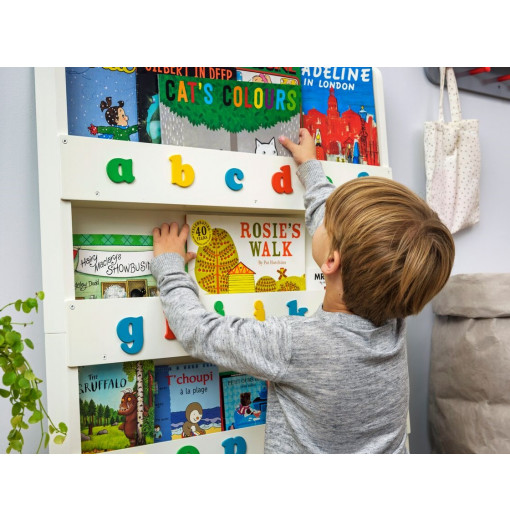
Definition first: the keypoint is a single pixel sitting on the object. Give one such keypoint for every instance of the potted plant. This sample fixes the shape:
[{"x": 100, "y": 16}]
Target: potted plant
[{"x": 20, "y": 384}]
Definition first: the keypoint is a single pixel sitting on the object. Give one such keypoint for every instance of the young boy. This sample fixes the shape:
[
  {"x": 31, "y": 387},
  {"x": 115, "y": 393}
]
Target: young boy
[{"x": 338, "y": 379}]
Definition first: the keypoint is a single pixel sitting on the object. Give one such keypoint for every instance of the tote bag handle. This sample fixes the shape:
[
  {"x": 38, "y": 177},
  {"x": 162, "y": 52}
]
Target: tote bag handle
[{"x": 453, "y": 94}]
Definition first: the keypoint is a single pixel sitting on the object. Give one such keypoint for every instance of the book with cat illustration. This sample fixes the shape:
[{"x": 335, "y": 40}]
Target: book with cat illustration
[
  {"x": 116, "y": 405},
  {"x": 244, "y": 115},
  {"x": 147, "y": 91},
  {"x": 237, "y": 254},
  {"x": 113, "y": 265},
  {"x": 244, "y": 400},
  {"x": 194, "y": 396},
  {"x": 338, "y": 108},
  {"x": 101, "y": 102}
]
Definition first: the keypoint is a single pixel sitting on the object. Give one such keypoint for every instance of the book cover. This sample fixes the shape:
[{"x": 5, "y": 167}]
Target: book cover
[
  {"x": 116, "y": 405},
  {"x": 244, "y": 401},
  {"x": 234, "y": 115},
  {"x": 101, "y": 102},
  {"x": 237, "y": 254},
  {"x": 162, "y": 424},
  {"x": 339, "y": 111},
  {"x": 113, "y": 265},
  {"x": 147, "y": 91},
  {"x": 195, "y": 407}
]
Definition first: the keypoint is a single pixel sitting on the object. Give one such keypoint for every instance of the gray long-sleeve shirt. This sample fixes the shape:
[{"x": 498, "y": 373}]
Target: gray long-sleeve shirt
[{"x": 337, "y": 383}]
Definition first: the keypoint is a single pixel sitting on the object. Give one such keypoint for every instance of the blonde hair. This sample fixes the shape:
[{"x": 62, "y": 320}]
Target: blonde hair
[{"x": 395, "y": 253}]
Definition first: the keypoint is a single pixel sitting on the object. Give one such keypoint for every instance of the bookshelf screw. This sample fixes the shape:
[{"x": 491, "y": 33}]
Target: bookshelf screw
[
  {"x": 104, "y": 357},
  {"x": 97, "y": 192},
  {"x": 64, "y": 141},
  {"x": 72, "y": 307}
]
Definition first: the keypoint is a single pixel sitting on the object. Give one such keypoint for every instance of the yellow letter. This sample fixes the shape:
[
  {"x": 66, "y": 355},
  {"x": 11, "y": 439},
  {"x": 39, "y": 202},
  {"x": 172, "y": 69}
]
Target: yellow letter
[{"x": 182, "y": 175}]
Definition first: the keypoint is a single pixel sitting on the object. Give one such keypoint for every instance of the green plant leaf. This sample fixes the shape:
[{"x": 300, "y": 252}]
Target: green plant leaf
[
  {"x": 35, "y": 417},
  {"x": 23, "y": 383},
  {"x": 59, "y": 439},
  {"x": 16, "y": 420},
  {"x": 46, "y": 440},
  {"x": 40, "y": 295},
  {"x": 17, "y": 304},
  {"x": 62, "y": 427},
  {"x": 29, "y": 343},
  {"x": 29, "y": 375},
  {"x": 16, "y": 445},
  {"x": 16, "y": 409},
  {"x": 4, "y": 393},
  {"x": 12, "y": 338},
  {"x": 9, "y": 378},
  {"x": 51, "y": 429}
]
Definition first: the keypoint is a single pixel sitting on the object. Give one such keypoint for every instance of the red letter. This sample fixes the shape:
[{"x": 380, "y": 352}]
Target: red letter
[
  {"x": 281, "y": 181},
  {"x": 245, "y": 229}
]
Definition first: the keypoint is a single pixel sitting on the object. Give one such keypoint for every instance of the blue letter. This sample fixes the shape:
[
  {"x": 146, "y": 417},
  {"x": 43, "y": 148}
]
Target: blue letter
[
  {"x": 130, "y": 330},
  {"x": 231, "y": 444},
  {"x": 230, "y": 176}
]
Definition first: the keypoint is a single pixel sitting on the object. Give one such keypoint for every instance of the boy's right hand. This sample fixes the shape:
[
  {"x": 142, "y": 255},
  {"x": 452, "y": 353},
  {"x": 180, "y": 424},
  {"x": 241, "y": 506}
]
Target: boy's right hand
[{"x": 302, "y": 151}]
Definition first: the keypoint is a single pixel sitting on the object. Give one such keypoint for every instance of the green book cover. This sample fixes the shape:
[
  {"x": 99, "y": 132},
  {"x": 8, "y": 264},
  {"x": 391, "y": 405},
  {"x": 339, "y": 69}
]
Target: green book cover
[{"x": 113, "y": 265}]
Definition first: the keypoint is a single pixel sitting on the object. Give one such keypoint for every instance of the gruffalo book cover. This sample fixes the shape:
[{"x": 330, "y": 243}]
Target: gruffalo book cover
[{"x": 116, "y": 405}]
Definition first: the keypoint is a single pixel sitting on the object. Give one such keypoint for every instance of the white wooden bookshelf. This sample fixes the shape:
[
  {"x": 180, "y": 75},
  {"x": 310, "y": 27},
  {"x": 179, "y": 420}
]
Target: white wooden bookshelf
[{"x": 77, "y": 196}]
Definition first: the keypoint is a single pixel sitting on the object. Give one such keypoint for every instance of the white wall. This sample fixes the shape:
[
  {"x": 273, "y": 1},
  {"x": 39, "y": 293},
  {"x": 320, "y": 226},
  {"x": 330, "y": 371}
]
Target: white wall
[
  {"x": 20, "y": 260},
  {"x": 410, "y": 100}
]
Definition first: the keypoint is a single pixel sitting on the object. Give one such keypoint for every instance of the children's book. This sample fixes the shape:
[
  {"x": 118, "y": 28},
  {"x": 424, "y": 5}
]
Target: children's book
[
  {"x": 244, "y": 400},
  {"x": 113, "y": 265},
  {"x": 162, "y": 424},
  {"x": 339, "y": 111},
  {"x": 101, "y": 102},
  {"x": 245, "y": 115},
  {"x": 195, "y": 407},
  {"x": 147, "y": 91},
  {"x": 116, "y": 405},
  {"x": 237, "y": 254}
]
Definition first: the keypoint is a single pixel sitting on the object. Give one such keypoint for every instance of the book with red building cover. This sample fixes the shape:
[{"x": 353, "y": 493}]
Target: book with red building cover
[
  {"x": 338, "y": 108},
  {"x": 239, "y": 254}
]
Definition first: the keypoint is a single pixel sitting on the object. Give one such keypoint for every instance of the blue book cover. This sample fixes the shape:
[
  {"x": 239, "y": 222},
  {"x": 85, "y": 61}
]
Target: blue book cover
[
  {"x": 194, "y": 399},
  {"x": 102, "y": 102},
  {"x": 162, "y": 427},
  {"x": 244, "y": 401},
  {"x": 338, "y": 107}
]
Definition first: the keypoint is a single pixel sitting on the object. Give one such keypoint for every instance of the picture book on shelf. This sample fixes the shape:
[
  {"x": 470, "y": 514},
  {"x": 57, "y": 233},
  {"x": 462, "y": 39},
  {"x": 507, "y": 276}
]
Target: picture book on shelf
[
  {"x": 147, "y": 91},
  {"x": 237, "y": 254},
  {"x": 116, "y": 405},
  {"x": 244, "y": 115},
  {"x": 195, "y": 407},
  {"x": 338, "y": 108},
  {"x": 113, "y": 265},
  {"x": 162, "y": 424},
  {"x": 101, "y": 102},
  {"x": 244, "y": 400}
]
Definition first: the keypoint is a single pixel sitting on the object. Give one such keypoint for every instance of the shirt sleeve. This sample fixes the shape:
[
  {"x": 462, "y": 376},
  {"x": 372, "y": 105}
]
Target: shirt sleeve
[
  {"x": 246, "y": 345},
  {"x": 317, "y": 190}
]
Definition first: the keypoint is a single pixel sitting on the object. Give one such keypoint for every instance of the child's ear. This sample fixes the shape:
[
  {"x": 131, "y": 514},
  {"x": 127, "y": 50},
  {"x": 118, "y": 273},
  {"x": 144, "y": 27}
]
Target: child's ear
[{"x": 332, "y": 263}]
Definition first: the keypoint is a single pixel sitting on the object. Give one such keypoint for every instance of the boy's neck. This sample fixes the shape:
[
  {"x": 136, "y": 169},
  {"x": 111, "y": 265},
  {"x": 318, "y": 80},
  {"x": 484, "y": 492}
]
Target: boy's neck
[{"x": 333, "y": 298}]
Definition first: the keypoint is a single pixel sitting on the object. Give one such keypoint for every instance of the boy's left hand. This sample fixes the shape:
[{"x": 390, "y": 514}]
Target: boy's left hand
[{"x": 168, "y": 239}]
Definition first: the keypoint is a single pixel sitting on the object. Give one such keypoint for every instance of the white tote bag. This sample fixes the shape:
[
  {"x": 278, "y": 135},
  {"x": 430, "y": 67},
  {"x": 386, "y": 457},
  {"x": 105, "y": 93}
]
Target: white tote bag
[{"x": 452, "y": 162}]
